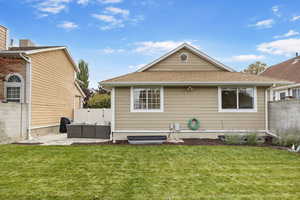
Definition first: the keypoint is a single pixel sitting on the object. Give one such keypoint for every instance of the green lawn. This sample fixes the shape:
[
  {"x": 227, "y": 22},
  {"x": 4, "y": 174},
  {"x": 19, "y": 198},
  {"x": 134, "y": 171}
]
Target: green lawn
[{"x": 148, "y": 172}]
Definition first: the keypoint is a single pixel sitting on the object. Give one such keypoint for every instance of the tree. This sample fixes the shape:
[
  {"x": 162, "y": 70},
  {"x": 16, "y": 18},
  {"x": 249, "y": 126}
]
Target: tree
[
  {"x": 83, "y": 75},
  {"x": 99, "y": 101},
  {"x": 256, "y": 68}
]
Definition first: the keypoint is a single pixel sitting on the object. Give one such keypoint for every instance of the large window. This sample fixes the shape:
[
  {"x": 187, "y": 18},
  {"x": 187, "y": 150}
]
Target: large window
[
  {"x": 14, "y": 88},
  {"x": 237, "y": 99},
  {"x": 296, "y": 93},
  {"x": 146, "y": 99}
]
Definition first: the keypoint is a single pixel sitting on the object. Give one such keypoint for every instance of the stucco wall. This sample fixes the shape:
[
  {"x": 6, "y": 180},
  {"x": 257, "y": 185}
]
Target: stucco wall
[{"x": 11, "y": 128}]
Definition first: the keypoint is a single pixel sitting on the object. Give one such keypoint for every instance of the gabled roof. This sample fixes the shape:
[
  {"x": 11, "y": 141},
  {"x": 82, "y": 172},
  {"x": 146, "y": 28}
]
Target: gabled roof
[
  {"x": 191, "y": 78},
  {"x": 38, "y": 49},
  {"x": 288, "y": 70},
  {"x": 192, "y": 49}
]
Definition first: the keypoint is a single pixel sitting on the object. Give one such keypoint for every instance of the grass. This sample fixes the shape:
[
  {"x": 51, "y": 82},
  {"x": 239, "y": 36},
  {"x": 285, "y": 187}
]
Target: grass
[{"x": 148, "y": 172}]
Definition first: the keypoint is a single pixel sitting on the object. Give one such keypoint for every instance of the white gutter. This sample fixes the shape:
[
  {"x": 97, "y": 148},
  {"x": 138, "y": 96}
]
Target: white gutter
[
  {"x": 190, "y": 83},
  {"x": 28, "y": 92},
  {"x": 287, "y": 86}
]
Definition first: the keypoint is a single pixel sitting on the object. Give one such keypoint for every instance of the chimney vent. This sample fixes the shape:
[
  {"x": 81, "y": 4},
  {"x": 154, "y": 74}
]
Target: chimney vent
[
  {"x": 26, "y": 43},
  {"x": 3, "y": 38}
]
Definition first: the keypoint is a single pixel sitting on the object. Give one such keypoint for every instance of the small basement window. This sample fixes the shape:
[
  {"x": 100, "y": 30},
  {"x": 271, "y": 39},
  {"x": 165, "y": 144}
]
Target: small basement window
[
  {"x": 242, "y": 99},
  {"x": 147, "y": 99}
]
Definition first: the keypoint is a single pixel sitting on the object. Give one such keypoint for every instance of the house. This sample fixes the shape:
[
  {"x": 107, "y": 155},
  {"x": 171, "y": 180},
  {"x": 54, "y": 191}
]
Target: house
[
  {"x": 288, "y": 70},
  {"x": 187, "y": 84},
  {"x": 38, "y": 90}
]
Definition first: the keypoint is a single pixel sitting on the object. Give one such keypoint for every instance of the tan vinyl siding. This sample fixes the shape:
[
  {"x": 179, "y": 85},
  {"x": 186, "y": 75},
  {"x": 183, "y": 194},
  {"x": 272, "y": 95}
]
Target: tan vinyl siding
[
  {"x": 181, "y": 105},
  {"x": 77, "y": 102},
  {"x": 3, "y": 37},
  {"x": 53, "y": 88},
  {"x": 194, "y": 63},
  {"x": 19, "y": 68}
]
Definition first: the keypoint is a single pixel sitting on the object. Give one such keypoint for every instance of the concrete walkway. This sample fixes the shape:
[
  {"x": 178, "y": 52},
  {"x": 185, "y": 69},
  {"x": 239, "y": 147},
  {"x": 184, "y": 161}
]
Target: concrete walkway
[{"x": 60, "y": 139}]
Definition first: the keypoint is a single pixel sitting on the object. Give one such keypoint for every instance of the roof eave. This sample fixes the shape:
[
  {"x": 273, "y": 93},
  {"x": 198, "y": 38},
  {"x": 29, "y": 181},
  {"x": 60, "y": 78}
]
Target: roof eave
[
  {"x": 191, "y": 83},
  {"x": 31, "y": 52}
]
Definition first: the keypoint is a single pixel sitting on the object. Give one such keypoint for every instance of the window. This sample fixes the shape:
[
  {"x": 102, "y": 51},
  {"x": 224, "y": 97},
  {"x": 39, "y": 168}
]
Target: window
[
  {"x": 146, "y": 99},
  {"x": 13, "y": 88},
  {"x": 282, "y": 95},
  {"x": 183, "y": 57},
  {"x": 296, "y": 93},
  {"x": 237, "y": 99}
]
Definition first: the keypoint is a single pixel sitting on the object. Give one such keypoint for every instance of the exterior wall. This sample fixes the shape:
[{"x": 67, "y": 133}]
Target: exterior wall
[
  {"x": 181, "y": 105},
  {"x": 44, "y": 131},
  {"x": 53, "y": 88},
  {"x": 13, "y": 122},
  {"x": 194, "y": 63},
  {"x": 19, "y": 68},
  {"x": 3, "y": 37},
  {"x": 284, "y": 116}
]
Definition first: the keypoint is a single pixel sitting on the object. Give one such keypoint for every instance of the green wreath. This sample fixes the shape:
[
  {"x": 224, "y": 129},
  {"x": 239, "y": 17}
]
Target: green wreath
[{"x": 194, "y": 124}]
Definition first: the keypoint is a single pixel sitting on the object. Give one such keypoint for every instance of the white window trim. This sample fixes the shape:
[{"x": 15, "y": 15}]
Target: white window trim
[
  {"x": 147, "y": 110},
  {"x": 286, "y": 92},
  {"x": 220, "y": 109},
  {"x": 187, "y": 57},
  {"x": 8, "y": 84}
]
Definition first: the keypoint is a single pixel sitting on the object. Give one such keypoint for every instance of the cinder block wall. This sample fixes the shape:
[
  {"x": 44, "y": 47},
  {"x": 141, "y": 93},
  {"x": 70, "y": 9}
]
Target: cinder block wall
[
  {"x": 13, "y": 122},
  {"x": 284, "y": 116}
]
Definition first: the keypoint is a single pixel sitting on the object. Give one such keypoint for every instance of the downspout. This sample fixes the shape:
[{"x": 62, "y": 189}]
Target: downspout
[{"x": 28, "y": 92}]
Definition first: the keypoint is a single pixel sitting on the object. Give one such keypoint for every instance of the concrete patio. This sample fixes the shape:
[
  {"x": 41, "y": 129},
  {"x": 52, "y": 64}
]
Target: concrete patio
[{"x": 59, "y": 139}]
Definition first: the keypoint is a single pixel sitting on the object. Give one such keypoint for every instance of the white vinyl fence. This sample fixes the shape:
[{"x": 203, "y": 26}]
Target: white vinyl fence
[{"x": 92, "y": 116}]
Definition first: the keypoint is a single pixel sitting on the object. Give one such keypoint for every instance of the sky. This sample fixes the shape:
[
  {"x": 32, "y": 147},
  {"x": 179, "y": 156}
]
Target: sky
[{"x": 118, "y": 36}]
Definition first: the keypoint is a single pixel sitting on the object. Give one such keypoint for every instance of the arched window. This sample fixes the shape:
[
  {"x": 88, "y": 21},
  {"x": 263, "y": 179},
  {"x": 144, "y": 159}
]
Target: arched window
[{"x": 14, "y": 88}]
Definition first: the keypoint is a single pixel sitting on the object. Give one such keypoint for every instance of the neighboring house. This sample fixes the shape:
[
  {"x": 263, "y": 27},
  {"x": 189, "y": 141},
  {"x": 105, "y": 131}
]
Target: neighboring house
[
  {"x": 184, "y": 84},
  {"x": 40, "y": 89},
  {"x": 287, "y": 70}
]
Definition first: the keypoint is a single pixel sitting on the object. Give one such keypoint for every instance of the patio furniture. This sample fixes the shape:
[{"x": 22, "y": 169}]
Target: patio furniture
[{"x": 88, "y": 131}]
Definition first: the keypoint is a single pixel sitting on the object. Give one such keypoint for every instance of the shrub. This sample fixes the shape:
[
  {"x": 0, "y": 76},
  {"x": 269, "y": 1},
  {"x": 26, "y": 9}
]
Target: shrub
[
  {"x": 234, "y": 139},
  {"x": 99, "y": 101},
  {"x": 249, "y": 139},
  {"x": 287, "y": 138}
]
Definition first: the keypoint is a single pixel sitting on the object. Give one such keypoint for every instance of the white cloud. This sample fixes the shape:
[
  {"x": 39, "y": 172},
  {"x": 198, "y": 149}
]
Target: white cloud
[
  {"x": 151, "y": 47},
  {"x": 111, "y": 21},
  {"x": 268, "y": 23},
  {"x": 275, "y": 10},
  {"x": 288, "y": 34},
  {"x": 111, "y": 51},
  {"x": 68, "y": 25},
  {"x": 115, "y": 11},
  {"x": 136, "y": 67},
  {"x": 247, "y": 57},
  {"x": 114, "y": 17},
  {"x": 82, "y": 2},
  {"x": 110, "y": 1},
  {"x": 285, "y": 47},
  {"x": 295, "y": 18},
  {"x": 52, "y": 6}
]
